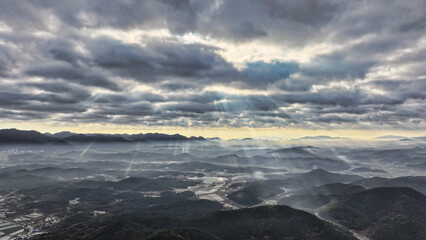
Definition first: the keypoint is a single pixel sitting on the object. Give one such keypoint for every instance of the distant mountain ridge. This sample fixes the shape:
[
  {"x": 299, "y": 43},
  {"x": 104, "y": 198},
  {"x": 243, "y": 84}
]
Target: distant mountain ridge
[
  {"x": 401, "y": 138},
  {"x": 15, "y": 136},
  {"x": 320, "y": 137},
  {"x": 94, "y": 138},
  {"x": 390, "y": 137}
]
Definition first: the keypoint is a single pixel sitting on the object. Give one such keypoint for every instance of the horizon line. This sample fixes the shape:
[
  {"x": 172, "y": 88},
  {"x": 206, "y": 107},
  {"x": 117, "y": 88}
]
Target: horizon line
[{"x": 254, "y": 133}]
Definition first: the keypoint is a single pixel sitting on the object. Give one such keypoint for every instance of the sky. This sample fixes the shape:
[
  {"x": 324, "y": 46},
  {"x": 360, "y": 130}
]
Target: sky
[{"x": 239, "y": 68}]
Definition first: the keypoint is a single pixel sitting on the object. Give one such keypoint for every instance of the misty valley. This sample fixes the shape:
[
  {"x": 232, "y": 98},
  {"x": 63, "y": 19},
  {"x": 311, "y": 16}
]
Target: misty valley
[
  {"x": 213, "y": 120},
  {"x": 75, "y": 186}
]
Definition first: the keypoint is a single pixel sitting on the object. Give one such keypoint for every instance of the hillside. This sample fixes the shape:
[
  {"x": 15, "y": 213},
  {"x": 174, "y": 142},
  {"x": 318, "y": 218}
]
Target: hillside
[
  {"x": 368, "y": 210},
  {"x": 315, "y": 197},
  {"x": 415, "y": 182},
  {"x": 272, "y": 222},
  {"x": 253, "y": 193},
  {"x": 398, "y": 228}
]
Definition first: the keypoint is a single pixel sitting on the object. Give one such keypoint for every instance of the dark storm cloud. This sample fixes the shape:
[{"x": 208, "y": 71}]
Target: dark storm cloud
[
  {"x": 178, "y": 84},
  {"x": 21, "y": 116},
  {"x": 133, "y": 109},
  {"x": 74, "y": 74},
  {"x": 407, "y": 90},
  {"x": 118, "y": 14},
  {"x": 62, "y": 87},
  {"x": 247, "y": 30},
  {"x": 7, "y": 60},
  {"x": 47, "y": 101},
  {"x": 12, "y": 99},
  {"x": 217, "y": 102},
  {"x": 336, "y": 96},
  {"x": 66, "y": 62},
  {"x": 335, "y": 119},
  {"x": 238, "y": 20},
  {"x": 418, "y": 24},
  {"x": 189, "y": 65},
  {"x": 156, "y": 60},
  {"x": 363, "y": 109},
  {"x": 62, "y": 53},
  {"x": 296, "y": 20},
  {"x": 16, "y": 100},
  {"x": 336, "y": 66},
  {"x": 53, "y": 108},
  {"x": 252, "y": 103},
  {"x": 262, "y": 73},
  {"x": 299, "y": 21},
  {"x": 189, "y": 107},
  {"x": 128, "y": 98}
]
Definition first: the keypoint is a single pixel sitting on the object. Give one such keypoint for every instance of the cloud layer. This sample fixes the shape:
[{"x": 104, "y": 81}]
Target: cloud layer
[{"x": 310, "y": 63}]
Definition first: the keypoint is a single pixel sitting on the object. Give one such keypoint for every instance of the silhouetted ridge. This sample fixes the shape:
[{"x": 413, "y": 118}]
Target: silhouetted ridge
[
  {"x": 94, "y": 138},
  {"x": 160, "y": 137},
  {"x": 15, "y": 136}
]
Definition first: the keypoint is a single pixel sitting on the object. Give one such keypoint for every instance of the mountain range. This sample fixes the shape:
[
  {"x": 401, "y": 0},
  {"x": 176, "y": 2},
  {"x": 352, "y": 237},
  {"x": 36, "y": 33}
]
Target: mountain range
[{"x": 15, "y": 136}]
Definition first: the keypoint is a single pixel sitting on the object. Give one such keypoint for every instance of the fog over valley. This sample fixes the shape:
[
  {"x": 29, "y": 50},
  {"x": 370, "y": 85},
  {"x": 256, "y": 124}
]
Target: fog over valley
[{"x": 66, "y": 174}]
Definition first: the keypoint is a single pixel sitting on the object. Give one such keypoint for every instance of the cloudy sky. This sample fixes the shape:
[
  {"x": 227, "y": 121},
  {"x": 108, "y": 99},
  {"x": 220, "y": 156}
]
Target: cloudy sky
[{"x": 196, "y": 65}]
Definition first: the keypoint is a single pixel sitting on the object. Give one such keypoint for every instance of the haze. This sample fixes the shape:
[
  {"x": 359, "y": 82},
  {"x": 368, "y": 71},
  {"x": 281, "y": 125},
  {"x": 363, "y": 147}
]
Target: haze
[{"x": 209, "y": 120}]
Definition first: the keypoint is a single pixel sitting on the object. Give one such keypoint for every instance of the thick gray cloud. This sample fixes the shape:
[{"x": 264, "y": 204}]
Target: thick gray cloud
[
  {"x": 238, "y": 20},
  {"x": 130, "y": 62},
  {"x": 73, "y": 74},
  {"x": 157, "y": 61}
]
